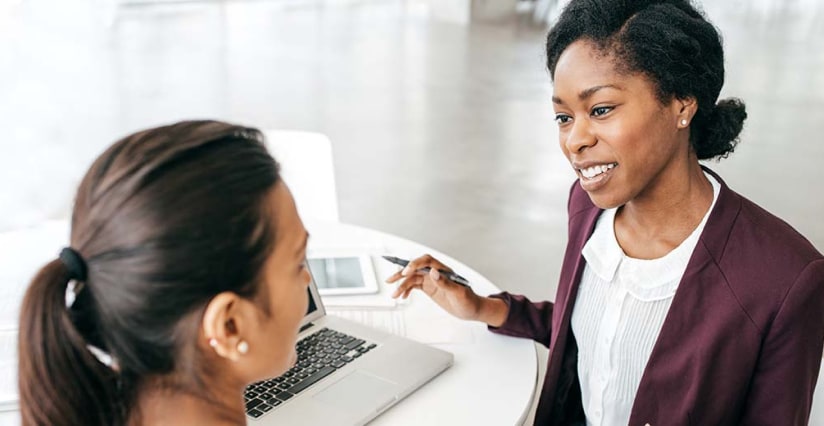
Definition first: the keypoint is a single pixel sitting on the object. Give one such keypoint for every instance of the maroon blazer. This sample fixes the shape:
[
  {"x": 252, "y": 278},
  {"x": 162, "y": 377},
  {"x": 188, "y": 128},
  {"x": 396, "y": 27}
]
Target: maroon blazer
[{"x": 741, "y": 343}]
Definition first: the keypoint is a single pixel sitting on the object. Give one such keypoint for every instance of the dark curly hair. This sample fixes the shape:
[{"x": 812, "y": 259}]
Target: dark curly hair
[{"x": 672, "y": 44}]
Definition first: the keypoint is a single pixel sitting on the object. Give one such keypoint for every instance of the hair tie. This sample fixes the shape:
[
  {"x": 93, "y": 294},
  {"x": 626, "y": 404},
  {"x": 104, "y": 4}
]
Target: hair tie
[{"x": 74, "y": 264}]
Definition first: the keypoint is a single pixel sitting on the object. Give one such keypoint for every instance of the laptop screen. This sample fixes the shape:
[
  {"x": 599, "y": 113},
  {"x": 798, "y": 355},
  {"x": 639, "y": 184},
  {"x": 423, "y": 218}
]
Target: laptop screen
[
  {"x": 315, "y": 309},
  {"x": 312, "y": 307}
]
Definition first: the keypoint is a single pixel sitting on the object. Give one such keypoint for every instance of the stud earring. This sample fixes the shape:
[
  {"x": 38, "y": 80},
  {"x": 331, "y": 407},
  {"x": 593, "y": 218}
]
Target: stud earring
[
  {"x": 683, "y": 121},
  {"x": 242, "y": 347},
  {"x": 213, "y": 342}
]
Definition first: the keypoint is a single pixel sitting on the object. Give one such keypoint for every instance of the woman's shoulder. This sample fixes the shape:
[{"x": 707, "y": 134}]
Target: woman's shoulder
[
  {"x": 770, "y": 235},
  {"x": 762, "y": 258},
  {"x": 737, "y": 225}
]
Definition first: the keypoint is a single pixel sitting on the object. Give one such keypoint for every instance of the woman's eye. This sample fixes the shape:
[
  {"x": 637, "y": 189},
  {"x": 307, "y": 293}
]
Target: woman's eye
[
  {"x": 598, "y": 111},
  {"x": 562, "y": 118}
]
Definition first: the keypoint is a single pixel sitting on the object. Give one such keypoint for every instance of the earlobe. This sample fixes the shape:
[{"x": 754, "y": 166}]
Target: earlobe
[
  {"x": 686, "y": 110},
  {"x": 220, "y": 327}
]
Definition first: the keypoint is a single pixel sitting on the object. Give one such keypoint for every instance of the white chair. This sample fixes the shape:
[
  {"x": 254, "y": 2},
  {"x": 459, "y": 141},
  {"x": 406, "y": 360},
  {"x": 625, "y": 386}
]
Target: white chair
[{"x": 306, "y": 166}]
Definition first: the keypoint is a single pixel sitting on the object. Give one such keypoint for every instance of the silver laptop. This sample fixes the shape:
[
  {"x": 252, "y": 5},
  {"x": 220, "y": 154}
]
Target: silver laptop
[{"x": 346, "y": 374}]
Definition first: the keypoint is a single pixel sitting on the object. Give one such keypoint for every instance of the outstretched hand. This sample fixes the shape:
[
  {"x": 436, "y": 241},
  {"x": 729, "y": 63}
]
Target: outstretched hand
[{"x": 457, "y": 299}]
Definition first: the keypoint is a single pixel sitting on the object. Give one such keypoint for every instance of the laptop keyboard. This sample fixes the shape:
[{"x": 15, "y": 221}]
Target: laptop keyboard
[{"x": 319, "y": 355}]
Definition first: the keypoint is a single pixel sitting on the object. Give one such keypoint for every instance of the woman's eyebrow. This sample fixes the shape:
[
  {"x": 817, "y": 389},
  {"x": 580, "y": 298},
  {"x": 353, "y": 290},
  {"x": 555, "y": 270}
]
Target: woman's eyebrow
[{"x": 587, "y": 93}]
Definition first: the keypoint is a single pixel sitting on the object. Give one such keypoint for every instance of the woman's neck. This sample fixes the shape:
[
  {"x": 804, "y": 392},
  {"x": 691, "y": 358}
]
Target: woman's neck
[
  {"x": 158, "y": 406},
  {"x": 660, "y": 219}
]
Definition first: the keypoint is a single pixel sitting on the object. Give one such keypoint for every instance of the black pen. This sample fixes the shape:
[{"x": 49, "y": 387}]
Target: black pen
[{"x": 451, "y": 275}]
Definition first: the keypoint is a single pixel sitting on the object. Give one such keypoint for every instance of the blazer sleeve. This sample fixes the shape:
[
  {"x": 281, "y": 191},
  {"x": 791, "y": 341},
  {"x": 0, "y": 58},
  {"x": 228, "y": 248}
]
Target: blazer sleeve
[
  {"x": 781, "y": 390},
  {"x": 526, "y": 319}
]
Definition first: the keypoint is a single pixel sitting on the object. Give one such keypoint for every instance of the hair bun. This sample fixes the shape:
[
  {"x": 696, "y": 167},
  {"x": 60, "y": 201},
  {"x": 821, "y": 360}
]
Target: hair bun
[{"x": 724, "y": 125}]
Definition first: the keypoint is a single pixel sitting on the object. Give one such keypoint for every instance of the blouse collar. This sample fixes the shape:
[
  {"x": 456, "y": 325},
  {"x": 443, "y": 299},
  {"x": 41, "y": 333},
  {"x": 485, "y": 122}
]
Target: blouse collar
[{"x": 652, "y": 279}]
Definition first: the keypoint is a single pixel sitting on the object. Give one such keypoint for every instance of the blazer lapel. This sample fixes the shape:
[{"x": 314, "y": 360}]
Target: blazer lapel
[
  {"x": 574, "y": 264},
  {"x": 696, "y": 308}
]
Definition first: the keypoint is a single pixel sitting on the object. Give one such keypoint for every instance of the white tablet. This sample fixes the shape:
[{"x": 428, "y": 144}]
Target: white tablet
[{"x": 350, "y": 274}]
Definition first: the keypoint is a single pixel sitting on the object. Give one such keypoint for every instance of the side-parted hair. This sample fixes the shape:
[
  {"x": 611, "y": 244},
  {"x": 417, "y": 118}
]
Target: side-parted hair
[
  {"x": 672, "y": 44},
  {"x": 165, "y": 219}
]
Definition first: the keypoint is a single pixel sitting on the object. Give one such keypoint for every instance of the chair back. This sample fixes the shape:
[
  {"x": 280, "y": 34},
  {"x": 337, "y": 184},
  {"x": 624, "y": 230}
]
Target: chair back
[{"x": 307, "y": 167}]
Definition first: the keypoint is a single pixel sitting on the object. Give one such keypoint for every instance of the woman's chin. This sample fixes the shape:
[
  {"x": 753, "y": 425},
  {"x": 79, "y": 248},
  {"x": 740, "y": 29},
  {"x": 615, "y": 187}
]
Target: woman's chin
[{"x": 604, "y": 201}]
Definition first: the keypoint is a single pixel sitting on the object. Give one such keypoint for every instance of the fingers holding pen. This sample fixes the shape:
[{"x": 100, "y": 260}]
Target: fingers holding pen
[
  {"x": 407, "y": 285},
  {"x": 414, "y": 275},
  {"x": 401, "y": 273},
  {"x": 394, "y": 277},
  {"x": 425, "y": 261}
]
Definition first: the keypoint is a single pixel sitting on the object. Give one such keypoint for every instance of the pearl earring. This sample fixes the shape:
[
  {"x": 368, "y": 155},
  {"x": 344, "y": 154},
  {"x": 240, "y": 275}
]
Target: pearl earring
[
  {"x": 213, "y": 342},
  {"x": 683, "y": 121},
  {"x": 242, "y": 347}
]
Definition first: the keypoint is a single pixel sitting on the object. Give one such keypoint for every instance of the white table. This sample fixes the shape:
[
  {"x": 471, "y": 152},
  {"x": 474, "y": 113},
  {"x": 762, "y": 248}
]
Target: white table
[{"x": 493, "y": 378}]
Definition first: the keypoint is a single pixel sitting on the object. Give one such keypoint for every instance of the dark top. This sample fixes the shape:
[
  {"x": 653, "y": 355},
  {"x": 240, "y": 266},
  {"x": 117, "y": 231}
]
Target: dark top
[{"x": 741, "y": 343}]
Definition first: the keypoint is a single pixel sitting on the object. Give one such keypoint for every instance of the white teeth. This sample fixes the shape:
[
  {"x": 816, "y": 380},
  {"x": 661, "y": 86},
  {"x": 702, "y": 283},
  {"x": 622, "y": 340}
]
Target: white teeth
[{"x": 591, "y": 172}]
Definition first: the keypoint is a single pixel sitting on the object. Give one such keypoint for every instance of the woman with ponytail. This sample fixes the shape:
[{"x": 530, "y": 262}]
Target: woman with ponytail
[
  {"x": 183, "y": 283},
  {"x": 680, "y": 302}
]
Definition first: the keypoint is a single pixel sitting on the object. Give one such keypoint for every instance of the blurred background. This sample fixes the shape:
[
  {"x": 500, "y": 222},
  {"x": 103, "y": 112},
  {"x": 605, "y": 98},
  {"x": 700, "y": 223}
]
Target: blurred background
[{"x": 439, "y": 112}]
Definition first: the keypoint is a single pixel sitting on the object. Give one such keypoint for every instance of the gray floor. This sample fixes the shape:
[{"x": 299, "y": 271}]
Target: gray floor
[{"x": 442, "y": 133}]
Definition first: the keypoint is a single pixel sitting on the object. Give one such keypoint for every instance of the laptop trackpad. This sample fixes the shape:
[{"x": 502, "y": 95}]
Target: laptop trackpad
[{"x": 359, "y": 393}]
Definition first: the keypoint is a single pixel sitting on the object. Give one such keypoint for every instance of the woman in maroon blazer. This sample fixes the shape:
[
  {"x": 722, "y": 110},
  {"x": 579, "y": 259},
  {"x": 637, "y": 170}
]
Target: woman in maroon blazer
[{"x": 680, "y": 302}]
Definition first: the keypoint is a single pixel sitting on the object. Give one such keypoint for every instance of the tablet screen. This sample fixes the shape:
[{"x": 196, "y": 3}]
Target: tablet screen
[{"x": 337, "y": 273}]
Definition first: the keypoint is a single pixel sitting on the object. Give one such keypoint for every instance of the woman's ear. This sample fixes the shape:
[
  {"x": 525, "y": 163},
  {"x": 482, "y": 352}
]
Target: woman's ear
[
  {"x": 686, "y": 109},
  {"x": 224, "y": 321}
]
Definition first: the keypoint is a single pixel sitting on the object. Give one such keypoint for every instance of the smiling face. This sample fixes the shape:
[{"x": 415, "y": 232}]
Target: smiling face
[{"x": 623, "y": 142}]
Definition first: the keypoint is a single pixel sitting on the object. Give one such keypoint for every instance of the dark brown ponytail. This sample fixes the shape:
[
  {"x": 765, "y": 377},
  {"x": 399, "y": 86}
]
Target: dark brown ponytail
[{"x": 60, "y": 382}]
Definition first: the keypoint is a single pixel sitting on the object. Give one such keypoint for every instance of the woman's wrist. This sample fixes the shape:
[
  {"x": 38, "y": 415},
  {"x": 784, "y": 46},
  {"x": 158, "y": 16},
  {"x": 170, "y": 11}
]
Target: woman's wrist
[{"x": 493, "y": 311}]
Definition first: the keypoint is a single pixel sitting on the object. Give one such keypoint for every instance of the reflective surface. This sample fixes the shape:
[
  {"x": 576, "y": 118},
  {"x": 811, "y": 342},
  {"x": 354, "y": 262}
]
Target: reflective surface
[{"x": 442, "y": 133}]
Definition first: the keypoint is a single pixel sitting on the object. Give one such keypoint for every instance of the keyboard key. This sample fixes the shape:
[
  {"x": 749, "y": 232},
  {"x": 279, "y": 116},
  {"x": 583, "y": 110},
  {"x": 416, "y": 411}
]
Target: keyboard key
[
  {"x": 320, "y": 374},
  {"x": 354, "y": 344},
  {"x": 283, "y": 396},
  {"x": 254, "y": 413},
  {"x": 253, "y": 403},
  {"x": 265, "y": 388}
]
